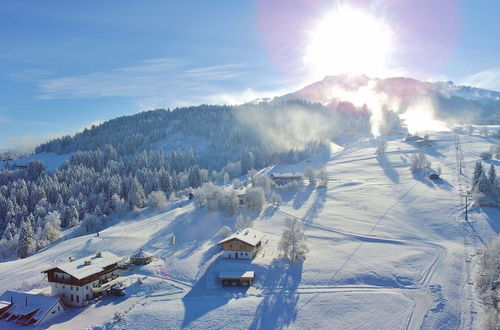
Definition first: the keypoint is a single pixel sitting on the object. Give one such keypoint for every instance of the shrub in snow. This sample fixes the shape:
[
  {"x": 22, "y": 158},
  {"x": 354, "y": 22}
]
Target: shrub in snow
[
  {"x": 292, "y": 241},
  {"x": 255, "y": 199},
  {"x": 157, "y": 200},
  {"x": 323, "y": 178},
  {"x": 419, "y": 162},
  {"x": 488, "y": 283},
  {"x": 485, "y": 155}
]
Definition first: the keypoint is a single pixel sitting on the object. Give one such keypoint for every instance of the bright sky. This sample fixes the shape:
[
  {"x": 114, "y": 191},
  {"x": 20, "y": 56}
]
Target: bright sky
[{"x": 68, "y": 64}]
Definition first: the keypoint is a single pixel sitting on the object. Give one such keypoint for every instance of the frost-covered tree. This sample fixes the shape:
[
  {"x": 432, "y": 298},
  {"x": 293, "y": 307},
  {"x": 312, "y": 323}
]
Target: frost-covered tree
[
  {"x": 136, "y": 197},
  {"x": 309, "y": 174},
  {"x": 488, "y": 280},
  {"x": 26, "y": 245},
  {"x": 224, "y": 232},
  {"x": 52, "y": 226},
  {"x": 478, "y": 171},
  {"x": 255, "y": 199},
  {"x": 419, "y": 162},
  {"x": 492, "y": 176},
  {"x": 381, "y": 147},
  {"x": 292, "y": 242},
  {"x": 243, "y": 222},
  {"x": 276, "y": 199},
  {"x": 323, "y": 178},
  {"x": 157, "y": 200}
]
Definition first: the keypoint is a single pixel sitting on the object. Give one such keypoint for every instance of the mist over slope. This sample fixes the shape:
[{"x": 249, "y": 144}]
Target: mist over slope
[{"x": 448, "y": 102}]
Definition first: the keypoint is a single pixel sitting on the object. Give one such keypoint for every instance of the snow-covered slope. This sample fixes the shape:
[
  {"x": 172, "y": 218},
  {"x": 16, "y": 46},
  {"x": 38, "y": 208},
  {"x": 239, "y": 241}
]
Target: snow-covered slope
[{"x": 388, "y": 250}]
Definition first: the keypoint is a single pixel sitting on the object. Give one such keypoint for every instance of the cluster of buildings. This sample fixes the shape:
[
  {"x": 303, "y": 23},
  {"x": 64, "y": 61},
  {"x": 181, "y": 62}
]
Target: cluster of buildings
[{"x": 74, "y": 283}]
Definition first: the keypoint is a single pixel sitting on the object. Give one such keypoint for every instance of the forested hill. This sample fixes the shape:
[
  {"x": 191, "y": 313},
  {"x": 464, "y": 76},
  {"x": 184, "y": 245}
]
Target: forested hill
[{"x": 118, "y": 164}]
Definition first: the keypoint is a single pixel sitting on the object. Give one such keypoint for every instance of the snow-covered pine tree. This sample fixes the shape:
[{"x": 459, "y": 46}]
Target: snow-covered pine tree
[
  {"x": 26, "y": 244},
  {"x": 478, "y": 170}
]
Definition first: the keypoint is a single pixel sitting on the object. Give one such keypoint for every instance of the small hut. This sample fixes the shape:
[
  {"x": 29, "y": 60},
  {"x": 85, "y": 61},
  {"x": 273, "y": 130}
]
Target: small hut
[{"x": 141, "y": 258}]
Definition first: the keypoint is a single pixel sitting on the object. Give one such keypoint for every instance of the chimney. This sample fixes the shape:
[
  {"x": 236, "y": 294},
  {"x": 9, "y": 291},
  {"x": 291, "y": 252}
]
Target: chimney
[
  {"x": 70, "y": 258},
  {"x": 98, "y": 255},
  {"x": 87, "y": 263}
]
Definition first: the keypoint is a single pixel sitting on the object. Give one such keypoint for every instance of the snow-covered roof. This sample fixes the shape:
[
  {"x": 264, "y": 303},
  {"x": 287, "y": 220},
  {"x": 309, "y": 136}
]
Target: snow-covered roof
[
  {"x": 237, "y": 274},
  {"x": 4, "y": 304},
  {"x": 25, "y": 303},
  {"x": 78, "y": 269},
  {"x": 247, "y": 235},
  {"x": 142, "y": 254}
]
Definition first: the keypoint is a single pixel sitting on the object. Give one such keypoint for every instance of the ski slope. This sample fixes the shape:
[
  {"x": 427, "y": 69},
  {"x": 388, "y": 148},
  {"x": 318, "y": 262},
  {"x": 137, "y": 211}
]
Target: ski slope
[{"x": 388, "y": 250}]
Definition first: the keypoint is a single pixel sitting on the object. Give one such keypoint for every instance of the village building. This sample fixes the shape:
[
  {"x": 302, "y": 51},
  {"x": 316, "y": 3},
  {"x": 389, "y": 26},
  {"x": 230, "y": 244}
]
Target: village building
[
  {"x": 79, "y": 281},
  {"x": 28, "y": 309},
  {"x": 244, "y": 244},
  {"x": 285, "y": 178},
  {"x": 141, "y": 258},
  {"x": 237, "y": 278}
]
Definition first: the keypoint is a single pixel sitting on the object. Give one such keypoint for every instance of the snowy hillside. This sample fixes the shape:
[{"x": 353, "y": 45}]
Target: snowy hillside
[{"x": 388, "y": 250}]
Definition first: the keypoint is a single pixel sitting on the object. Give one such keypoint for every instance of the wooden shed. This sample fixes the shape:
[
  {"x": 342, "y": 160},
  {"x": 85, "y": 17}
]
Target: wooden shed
[{"x": 237, "y": 278}]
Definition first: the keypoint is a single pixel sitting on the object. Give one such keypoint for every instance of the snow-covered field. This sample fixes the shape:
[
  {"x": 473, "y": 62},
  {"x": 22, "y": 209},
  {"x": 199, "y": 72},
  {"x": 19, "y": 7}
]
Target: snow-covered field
[{"x": 388, "y": 250}]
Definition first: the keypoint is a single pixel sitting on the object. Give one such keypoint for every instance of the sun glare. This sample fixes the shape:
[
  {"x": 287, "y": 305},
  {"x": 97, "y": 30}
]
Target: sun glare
[{"x": 348, "y": 40}]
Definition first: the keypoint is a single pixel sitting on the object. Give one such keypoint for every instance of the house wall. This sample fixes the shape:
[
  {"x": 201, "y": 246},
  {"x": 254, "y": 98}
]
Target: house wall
[
  {"x": 56, "y": 310},
  {"x": 237, "y": 245},
  {"x": 84, "y": 292},
  {"x": 241, "y": 255}
]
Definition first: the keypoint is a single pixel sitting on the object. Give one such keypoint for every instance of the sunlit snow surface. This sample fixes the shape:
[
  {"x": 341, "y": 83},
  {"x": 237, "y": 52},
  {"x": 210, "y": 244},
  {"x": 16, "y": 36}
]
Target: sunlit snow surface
[{"x": 388, "y": 250}]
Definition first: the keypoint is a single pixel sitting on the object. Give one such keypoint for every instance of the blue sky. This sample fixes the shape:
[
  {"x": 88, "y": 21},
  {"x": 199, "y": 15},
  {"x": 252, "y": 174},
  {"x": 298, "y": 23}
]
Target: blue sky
[{"x": 66, "y": 64}]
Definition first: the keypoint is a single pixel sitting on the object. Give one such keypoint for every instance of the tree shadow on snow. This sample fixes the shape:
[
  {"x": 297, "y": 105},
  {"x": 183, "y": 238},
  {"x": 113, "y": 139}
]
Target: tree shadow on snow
[
  {"x": 208, "y": 295},
  {"x": 278, "y": 309},
  {"x": 493, "y": 218},
  {"x": 316, "y": 206},
  {"x": 302, "y": 195},
  {"x": 389, "y": 171}
]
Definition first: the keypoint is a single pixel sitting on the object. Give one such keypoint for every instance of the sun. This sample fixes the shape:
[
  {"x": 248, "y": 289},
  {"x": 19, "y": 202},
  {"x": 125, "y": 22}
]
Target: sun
[{"x": 349, "y": 40}]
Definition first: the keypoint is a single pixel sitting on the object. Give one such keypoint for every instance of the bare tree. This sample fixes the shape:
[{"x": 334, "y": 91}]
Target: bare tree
[{"x": 292, "y": 241}]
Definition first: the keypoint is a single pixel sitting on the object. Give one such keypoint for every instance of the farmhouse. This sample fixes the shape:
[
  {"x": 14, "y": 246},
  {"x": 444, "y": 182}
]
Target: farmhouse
[
  {"x": 243, "y": 245},
  {"x": 79, "y": 281},
  {"x": 285, "y": 178},
  {"x": 28, "y": 309},
  {"x": 234, "y": 278}
]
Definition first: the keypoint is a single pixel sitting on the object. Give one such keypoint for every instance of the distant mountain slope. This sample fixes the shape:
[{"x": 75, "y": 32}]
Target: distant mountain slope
[{"x": 455, "y": 104}]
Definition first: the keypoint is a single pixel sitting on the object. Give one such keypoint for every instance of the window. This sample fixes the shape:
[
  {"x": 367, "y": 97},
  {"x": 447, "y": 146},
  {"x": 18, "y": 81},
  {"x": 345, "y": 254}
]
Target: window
[
  {"x": 64, "y": 287},
  {"x": 77, "y": 298},
  {"x": 71, "y": 288},
  {"x": 72, "y": 298},
  {"x": 58, "y": 308},
  {"x": 87, "y": 287},
  {"x": 53, "y": 312},
  {"x": 76, "y": 288}
]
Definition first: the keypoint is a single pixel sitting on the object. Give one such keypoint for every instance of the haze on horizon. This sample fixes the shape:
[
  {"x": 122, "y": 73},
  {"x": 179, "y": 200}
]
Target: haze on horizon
[{"x": 70, "y": 65}]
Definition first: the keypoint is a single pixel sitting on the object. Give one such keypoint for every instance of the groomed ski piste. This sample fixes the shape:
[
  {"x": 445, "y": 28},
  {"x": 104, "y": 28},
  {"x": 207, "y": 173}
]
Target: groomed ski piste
[{"x": 388, "y": 250}]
